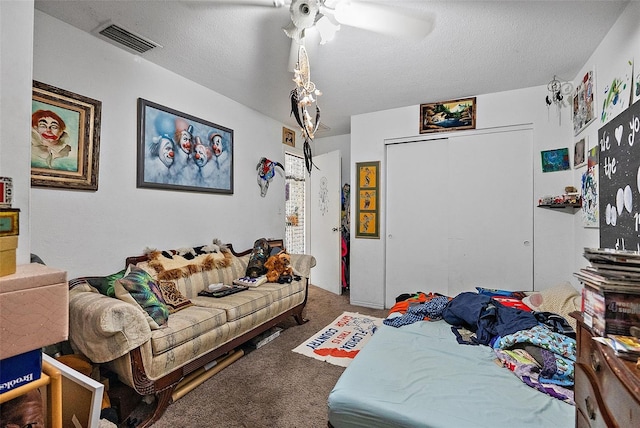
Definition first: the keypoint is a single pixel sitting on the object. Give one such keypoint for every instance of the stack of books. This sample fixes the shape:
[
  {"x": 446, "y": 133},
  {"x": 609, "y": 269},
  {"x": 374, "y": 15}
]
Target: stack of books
[{"x": 611, "y": 292}]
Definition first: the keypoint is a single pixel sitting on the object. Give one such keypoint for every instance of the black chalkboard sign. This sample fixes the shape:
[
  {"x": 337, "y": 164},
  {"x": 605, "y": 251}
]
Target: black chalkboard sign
[{"x": 619, "y": 181}]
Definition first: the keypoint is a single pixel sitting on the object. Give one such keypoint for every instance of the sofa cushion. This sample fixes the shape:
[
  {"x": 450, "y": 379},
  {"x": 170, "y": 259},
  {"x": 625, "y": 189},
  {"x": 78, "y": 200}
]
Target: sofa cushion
[
  {"x": 237, "y": 305},
  {"x": 138, "y": 288},
  {"x": 186, "y": 325},
  {"x": 280, "y": 291}
]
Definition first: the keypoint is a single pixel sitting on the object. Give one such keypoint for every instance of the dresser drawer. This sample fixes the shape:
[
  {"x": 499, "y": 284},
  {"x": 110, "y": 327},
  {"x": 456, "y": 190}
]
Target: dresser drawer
[
  {"x": 615, "y": 396},
  {"x": 591, "y": 410}
]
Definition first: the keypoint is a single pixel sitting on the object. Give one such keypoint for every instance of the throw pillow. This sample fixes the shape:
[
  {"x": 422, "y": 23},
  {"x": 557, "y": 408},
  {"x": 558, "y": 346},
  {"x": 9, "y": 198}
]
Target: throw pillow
[
  {"x": 257, "y": 259},
  {"x": 561, "y": 299},
  {"x": 173, "y": 298},
  {"x": 138, "y": 288},
  {"x": 104, "y": 284}
]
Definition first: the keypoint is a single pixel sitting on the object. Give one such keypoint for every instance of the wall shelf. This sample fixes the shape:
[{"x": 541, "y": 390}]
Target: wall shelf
[{"x": 572, "y": 208}]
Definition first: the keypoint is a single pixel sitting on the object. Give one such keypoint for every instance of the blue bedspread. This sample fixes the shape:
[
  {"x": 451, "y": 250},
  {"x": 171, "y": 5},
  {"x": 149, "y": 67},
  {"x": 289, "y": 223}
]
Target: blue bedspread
[{"x": 419, "y": 376}]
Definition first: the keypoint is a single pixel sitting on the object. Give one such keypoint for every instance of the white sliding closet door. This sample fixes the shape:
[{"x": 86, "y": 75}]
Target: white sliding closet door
[{"x": 460, "y": 213}]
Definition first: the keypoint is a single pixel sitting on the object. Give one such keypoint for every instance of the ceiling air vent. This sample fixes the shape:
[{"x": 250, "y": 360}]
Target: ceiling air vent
[{"x": 124, "y": 38}]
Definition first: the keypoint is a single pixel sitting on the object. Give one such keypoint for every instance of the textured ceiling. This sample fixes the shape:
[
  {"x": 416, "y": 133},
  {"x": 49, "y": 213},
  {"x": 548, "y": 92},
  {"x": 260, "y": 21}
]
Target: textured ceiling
[{"x": 477, "y": 47}]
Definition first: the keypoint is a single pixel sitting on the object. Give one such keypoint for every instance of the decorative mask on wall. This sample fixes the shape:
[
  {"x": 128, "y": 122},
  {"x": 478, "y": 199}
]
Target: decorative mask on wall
[{"x": 266, "y": 171}]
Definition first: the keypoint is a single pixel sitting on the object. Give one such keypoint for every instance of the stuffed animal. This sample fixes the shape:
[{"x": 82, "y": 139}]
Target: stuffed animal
[{"x": 279, "y": 267}]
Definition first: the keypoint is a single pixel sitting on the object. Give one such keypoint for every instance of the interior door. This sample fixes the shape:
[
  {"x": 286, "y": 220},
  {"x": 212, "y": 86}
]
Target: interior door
[
  {"x": 416, "y": 218},
  {"x": 460, "y": 214},
  {"x": 324, "y": 223}
]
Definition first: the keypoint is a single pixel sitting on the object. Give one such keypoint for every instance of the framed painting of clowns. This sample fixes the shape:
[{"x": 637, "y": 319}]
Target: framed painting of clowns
[
  {"x": 177, "y": 151},
  {"x": 65, "y": 138}
]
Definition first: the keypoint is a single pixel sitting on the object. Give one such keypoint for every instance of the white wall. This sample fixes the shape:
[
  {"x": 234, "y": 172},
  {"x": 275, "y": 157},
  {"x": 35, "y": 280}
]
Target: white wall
[
  {"x": 91, "y": 233},
  {"x": 16, "y": 39},
  {"x": 620, "y": 45},
  {"x": 558, "y": 237},
  {"x": 341, "y": 143}
]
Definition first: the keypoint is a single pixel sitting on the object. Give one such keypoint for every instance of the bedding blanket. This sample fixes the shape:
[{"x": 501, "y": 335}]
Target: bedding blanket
[{"x": 424, "y": 378}]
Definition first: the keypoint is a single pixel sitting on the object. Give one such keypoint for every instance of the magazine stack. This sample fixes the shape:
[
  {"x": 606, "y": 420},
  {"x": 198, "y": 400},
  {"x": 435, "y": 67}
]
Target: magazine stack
[{"x": 611, "y": 291}]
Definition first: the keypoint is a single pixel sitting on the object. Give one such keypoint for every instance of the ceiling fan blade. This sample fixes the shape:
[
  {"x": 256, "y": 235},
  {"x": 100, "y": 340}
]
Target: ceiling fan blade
[
  {"x": 383, "y": 19},
  {"x": 269, "y": 3}
]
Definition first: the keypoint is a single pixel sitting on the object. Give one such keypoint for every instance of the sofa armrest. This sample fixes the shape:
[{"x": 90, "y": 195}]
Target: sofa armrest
[
  {"x": 302, "y": 264},
  {"x": 103, "y": 328}
]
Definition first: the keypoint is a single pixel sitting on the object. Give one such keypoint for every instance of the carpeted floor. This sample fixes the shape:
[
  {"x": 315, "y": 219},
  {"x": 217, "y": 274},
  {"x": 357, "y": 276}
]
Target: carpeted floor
[{"x": 272, "y": 386}]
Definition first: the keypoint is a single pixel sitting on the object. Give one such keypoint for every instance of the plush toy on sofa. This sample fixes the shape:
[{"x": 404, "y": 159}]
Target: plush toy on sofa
[{"x": 279, "y": 267}]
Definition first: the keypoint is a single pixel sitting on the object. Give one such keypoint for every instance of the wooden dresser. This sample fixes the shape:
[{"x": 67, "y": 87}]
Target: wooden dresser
[{"x": 607, "y": 388}]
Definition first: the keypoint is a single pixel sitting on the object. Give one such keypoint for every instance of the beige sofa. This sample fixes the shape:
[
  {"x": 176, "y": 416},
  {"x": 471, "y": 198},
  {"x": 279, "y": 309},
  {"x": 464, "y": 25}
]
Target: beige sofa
[{"x": 117, "y": 334}]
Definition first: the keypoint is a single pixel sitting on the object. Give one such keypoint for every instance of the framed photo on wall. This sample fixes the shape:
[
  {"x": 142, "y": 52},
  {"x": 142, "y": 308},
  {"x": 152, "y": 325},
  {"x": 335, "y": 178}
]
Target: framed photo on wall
[
  {"x": 288, "y": 137},
  {"x": 177, "y": 151},
  {"x": 367, "y": 200},
  {"x": 583, "y": 103},
  {"x": 448, "y": 115},
  {"x": 555, "y": 160},
  {"x": 65, "y": 138}
]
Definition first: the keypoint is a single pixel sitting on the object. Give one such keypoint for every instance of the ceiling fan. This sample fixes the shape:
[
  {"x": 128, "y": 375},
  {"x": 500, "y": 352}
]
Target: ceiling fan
[{"x": 383, "y": 16}]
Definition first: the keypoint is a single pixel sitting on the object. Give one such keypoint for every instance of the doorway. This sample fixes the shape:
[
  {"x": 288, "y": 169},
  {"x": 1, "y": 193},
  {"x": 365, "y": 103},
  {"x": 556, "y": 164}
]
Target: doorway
[{"x": 324, "y": 221}]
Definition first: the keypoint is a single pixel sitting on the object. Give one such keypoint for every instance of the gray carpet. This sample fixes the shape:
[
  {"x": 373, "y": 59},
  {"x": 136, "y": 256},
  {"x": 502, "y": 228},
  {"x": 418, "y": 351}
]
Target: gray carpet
[{"x": 271, "y": 386}]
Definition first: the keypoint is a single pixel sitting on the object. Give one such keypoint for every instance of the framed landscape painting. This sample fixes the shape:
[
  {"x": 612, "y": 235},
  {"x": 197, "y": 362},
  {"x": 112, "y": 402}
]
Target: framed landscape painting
[
  {"x": 65, "y": 138},
  {"x": 448, "y": 115},
  {"x": 177, "y": 151}
]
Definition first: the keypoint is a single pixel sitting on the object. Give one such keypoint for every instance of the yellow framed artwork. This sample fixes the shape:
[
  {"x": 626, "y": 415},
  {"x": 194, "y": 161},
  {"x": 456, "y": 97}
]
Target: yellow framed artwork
[{"x": 367, "y": 200}]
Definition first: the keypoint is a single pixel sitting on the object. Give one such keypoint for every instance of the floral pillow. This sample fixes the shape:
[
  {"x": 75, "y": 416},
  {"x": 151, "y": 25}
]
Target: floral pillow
[{"x": 138, "y": 288}]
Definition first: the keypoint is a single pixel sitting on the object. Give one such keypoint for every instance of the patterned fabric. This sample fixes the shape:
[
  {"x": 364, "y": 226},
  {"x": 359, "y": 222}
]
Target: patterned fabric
[
  {"x": 172, "y": 296},
  {"x": 529, "y": 373},
  {"x": 564, "y": 349},
  {"x": 258, "y": 258},
  {"x": 138, "y": 288},
  {"x": 186, "y": 325},
  {"x": 116, "y": 327},
  {"x": 302, "y": 264},
  {"x": 431, "y": 309},
  {"x": 104, "y": 284},
  {"x": 237, "y": 305},
  {"x": 103, "y": 328}
]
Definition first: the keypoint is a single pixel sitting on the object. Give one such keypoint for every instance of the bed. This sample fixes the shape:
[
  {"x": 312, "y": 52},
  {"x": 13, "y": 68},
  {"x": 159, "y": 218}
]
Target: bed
[{"x": 418, "y": 375}]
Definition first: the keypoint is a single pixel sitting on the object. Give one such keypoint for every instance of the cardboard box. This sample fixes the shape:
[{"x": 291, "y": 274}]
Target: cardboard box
[
  {"x": 8, "y": 245},
  {"x": 34, "y": 309},
  {"x": 20, "y": 370},
  {"x": 610, "y": 312}
]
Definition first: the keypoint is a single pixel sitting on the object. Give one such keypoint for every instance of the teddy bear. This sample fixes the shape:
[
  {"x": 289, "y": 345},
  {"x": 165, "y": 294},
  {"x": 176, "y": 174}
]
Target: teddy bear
[{"x": 278, "y": 267}]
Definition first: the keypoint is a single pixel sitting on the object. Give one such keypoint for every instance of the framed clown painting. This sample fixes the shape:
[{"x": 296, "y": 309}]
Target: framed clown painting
[
  {"x": 177, "y": 151},
  {"x": 65, "y": 138}
]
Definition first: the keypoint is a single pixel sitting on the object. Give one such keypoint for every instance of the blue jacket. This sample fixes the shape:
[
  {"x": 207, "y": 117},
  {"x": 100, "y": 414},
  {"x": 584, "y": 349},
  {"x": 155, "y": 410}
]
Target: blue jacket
[{"x": 486, "y": 317}]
